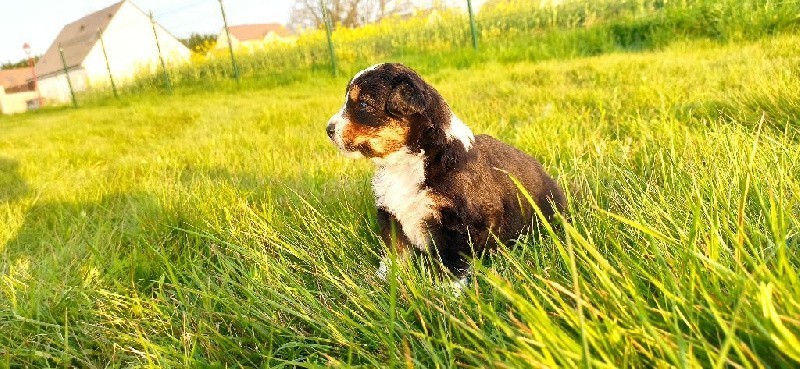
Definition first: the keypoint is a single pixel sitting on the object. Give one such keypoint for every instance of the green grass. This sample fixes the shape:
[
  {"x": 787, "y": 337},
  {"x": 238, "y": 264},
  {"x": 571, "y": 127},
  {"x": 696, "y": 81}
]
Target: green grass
[{"x": 221, "y": 228}]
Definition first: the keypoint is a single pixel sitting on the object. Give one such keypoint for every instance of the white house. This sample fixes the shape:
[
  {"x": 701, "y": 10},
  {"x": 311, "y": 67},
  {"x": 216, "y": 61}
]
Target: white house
[
  {"x": 130, "y": 44},
  {"x": 254, "y": 36},
  {"x": 16, "y": 95}
]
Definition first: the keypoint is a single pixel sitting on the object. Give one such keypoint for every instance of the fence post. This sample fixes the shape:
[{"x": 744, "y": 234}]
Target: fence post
[
  {"x": 66, "y": 74},
  {"x": 230, "y": 42},
  {"x": 161, "y": 57},
  {"x": 472, "y": 25},
  {"x": 554, "y": 20},
  {"x": 108, "y": 66},
  {"x": 326, "y": 21}
]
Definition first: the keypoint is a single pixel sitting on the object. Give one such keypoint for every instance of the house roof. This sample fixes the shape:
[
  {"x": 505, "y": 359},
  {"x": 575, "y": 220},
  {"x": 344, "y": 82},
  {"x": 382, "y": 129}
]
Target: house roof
[
  {"x": 10, "y": 78},
  {"x": 77, "y": 39},
  {"x": 249, "y": 32}
]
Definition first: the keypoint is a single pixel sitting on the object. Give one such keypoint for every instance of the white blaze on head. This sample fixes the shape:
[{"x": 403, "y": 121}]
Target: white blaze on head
[
  {"x": 359, "y": 74},
  {"x": 340, "y": 122}
]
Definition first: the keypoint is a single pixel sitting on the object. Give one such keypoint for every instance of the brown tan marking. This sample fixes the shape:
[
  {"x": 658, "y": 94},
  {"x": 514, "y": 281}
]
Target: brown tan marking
[
  {"x": 355, "y": 91},
  {"x": 438, "y": 201},
  {"x": 375, "y": 141}
]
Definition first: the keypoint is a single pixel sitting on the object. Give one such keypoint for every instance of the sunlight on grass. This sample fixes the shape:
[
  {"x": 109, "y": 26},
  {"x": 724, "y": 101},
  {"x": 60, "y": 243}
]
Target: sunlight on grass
[{"x": 223, "y": 228}]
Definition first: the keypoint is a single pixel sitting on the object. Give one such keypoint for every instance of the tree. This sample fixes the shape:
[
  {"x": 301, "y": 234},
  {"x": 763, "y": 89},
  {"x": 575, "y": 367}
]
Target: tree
[
  {"x": 345, "y": 13},
  {"x": 200, "y": 43},
  {"x": 20, "y": 64}
]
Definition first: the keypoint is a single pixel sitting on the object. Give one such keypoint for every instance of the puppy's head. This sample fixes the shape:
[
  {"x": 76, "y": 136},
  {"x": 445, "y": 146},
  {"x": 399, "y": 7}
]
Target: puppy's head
[{"x": 389, "y": 108}]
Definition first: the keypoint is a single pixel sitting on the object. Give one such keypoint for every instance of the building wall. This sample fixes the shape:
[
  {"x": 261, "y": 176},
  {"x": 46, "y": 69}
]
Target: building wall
[
  {"x": 131, "y": 48},
  {"x": 252, "y": 45},
  {"x": 13, "y": 103},
  {"x": 274, "y": 37},
  {"x": 54, "y": 88},
  {"x": 222, "y": 40}
]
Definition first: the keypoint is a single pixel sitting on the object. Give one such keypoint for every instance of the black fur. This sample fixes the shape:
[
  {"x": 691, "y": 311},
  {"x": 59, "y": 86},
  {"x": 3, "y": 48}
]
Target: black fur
[{"x": 486, "y": 201}]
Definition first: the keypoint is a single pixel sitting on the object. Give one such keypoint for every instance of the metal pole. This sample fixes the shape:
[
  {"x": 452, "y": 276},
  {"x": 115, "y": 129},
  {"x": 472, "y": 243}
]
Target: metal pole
[
  {"x": 472, "y": 25},
  {"x": 108, "y": 66},
  {"x": 66, "y": 74},
  {"x": 35, "y": 80},
  {"x": 161, "y": 57},
  {"x": 326, "y": 20},
  {"x": 230, "y": 42}
]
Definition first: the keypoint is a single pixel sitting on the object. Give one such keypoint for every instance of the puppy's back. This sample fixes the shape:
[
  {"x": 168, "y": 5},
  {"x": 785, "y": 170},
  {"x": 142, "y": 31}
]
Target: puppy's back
[{"x": 504, "y": 161}]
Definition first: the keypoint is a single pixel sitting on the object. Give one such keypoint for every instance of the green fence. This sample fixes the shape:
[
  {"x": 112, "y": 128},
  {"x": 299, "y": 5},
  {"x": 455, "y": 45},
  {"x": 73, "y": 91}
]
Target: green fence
[{"x": 502, "y": 31}]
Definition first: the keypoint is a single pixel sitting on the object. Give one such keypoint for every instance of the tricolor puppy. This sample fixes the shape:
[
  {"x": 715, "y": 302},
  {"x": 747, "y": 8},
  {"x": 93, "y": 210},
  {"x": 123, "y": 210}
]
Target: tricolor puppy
[{"x": 442, "y": 189}]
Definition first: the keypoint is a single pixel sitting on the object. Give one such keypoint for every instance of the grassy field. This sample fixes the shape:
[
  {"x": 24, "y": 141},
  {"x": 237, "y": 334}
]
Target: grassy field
[{"x": 222, "y": 229}]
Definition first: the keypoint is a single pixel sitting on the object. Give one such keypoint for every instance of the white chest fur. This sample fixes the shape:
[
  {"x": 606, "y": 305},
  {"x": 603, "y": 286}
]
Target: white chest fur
[{"x": 398, "y": 187}]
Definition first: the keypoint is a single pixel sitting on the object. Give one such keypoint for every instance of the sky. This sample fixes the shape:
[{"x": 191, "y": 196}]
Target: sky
[{"x": 38, "y": 22}]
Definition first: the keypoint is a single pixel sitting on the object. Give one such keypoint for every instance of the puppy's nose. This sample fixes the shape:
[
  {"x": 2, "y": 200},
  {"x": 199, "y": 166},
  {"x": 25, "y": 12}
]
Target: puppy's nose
[{"x": 331, "y": 130}]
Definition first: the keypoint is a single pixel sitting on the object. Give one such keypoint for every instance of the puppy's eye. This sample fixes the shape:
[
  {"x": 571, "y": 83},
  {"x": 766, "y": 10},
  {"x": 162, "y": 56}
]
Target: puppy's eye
[{"x": 364, "y": 105}]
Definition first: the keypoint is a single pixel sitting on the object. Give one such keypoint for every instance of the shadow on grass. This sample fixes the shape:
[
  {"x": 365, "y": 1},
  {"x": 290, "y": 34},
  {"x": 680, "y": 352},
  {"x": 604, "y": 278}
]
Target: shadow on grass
[
  {"x": 70, "y": 244},
  {"x": 326, "y": 192},
  {"x": 129, "y": 238},
  {"x": 12, "y": 185}
]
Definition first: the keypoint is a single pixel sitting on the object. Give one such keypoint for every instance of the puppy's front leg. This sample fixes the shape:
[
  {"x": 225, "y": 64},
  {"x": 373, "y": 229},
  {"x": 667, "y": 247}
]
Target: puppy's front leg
[
  {"x": 456, "y": 245},
  {"x": 394, "y": 238}
]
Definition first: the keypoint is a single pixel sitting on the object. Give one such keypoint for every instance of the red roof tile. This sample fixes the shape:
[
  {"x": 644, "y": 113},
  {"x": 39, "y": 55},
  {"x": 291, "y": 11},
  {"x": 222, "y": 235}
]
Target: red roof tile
[
  {"x": 248, "y": 32},
  {"x": 10, "y": 78}
]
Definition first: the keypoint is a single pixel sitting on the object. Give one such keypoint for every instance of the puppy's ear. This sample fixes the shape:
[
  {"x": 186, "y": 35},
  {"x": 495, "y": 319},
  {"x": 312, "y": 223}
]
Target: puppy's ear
[{"x": 408, "y": 97}]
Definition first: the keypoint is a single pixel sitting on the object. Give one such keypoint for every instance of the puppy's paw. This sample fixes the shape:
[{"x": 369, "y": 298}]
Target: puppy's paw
[
  {"x": 383, "y": 269},
  {"x": 458, "y": 286}
]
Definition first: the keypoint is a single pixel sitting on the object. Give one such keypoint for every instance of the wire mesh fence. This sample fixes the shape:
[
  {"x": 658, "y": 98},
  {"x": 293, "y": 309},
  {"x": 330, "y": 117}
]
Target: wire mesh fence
[{"x": 429, "y": 39}]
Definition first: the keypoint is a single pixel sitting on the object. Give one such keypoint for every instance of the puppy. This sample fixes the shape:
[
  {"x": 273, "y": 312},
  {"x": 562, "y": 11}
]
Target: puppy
[{"x": 438, "y": 188}]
